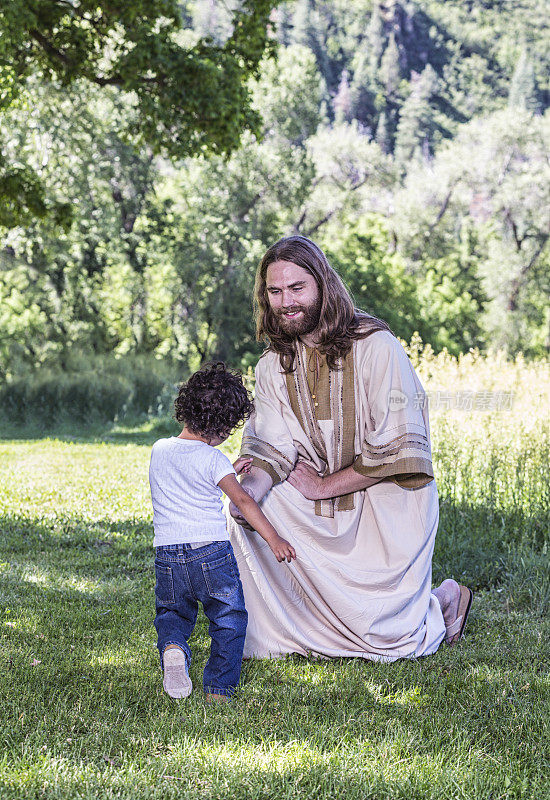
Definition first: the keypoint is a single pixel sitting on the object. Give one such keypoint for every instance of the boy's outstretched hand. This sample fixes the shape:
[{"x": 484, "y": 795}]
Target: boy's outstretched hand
[
  {"x": 250, "y": 511},
  {"x": 282, "y": 550},
  {"x": 242, "y": 464}
]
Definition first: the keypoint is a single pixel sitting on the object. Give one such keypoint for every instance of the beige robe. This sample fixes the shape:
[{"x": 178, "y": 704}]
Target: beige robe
[{"x": 361, "y": 582}]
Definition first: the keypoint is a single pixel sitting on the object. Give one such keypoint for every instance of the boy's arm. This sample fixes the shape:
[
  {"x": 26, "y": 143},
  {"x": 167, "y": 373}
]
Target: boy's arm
[
  {"x": 257, "y": 484},
  {"x": 256, "y": 518}
]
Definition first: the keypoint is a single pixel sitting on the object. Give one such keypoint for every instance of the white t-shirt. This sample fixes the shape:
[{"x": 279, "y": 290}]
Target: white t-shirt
[{"x": 187, "y": 503}]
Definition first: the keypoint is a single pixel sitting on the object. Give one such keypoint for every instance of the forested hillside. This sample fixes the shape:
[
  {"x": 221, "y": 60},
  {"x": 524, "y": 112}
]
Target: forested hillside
[
  {"x": 412, "y": 72},
  {"x": 410, "y": 139}
]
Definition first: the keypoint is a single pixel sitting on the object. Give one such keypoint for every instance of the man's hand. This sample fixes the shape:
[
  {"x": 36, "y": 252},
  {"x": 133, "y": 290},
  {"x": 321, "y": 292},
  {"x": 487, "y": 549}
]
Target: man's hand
[
  {"x": 308, "y": 482},
  {"x": 314, "y": 487}
]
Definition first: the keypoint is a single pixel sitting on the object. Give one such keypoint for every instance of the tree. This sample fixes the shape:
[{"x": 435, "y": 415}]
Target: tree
[
  {"x": 523, "y": 86},
  {"x": 493, "y": 178},
  {"x": 349, "y": 169},
  {"x": 382, "y": 135},
  {"x": 452, "y": 301},
  {"x": 362, "y": 89},
  {"x": 342, "y": 100},
  {"x": 390, "y": 69},
  {"x": 86, "y": 280},
  {"x": 161, "y": 254},
  {"x": 212, "y": 220},
  {"x": 290, "y": 93},
  {"x": 375, "y": 40},
  {"x": 22, "y": 197},
  {"x": 161, "y": 257},
  {"x": 190, "y": 94},
  {"x": 307, "y": 31},
  {"x": 416, "y": 124}
]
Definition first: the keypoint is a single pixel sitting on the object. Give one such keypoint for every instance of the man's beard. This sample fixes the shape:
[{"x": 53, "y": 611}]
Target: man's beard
[{"x": 306, "y": 323}]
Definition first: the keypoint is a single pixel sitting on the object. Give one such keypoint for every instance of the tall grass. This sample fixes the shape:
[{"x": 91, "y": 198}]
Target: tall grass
[{"x": 491, "y": 466}]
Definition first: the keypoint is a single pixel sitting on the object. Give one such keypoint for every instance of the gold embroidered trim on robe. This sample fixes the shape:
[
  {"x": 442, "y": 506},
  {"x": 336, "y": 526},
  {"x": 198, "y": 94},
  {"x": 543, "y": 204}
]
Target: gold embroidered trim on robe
[
  {"x": 405, "y": 458},
  {"x": 267, "y": 457},
  {"x": 341, "y": 390}
]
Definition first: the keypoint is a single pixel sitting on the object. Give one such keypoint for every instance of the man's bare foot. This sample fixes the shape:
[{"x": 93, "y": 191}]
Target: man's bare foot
[{"x": 448, "y": 594}]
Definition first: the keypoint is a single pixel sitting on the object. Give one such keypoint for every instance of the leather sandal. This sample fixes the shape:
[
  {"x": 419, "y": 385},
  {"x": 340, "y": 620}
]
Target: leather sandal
[{"x": 456, "y": 628}]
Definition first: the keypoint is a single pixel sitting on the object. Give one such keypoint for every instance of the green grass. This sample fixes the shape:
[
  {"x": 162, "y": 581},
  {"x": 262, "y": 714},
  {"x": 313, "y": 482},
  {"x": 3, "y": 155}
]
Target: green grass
[{"x": 83, "y": 711}]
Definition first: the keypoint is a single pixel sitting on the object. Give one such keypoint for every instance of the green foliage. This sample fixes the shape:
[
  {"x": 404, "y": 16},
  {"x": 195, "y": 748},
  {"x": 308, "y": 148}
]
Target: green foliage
[
  {"x": 444, "y": 303},
  {"x": 415, "y": 132},
  {"x": 523, "y": 87},
  {"x": 189, "y": 98},
  {"x": 22, "y": 197},
  {"x": 390, "y": 71},
  {"x": 212, "y": 220},
  {"x": 472, "y": 48},
  {"x": 81, "y": 397},
  {"x": 485, "y": 198},
  {"x": 289, "y": 94},
  {"x": 88, "y": 390},
  {"x": 77, "y": 282},
  {"x": 451, "y": 302},
  {"x": 417, "y": 115},
  {"x": 376, "y": 278}
]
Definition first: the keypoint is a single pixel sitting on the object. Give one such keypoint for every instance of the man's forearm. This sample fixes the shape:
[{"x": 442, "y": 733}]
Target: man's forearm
[{"x": 345, "y": 481}]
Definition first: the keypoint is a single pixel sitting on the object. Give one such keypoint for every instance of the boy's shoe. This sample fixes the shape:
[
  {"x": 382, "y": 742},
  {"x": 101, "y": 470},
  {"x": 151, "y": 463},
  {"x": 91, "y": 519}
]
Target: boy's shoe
[{"x": 176, "y": 682}]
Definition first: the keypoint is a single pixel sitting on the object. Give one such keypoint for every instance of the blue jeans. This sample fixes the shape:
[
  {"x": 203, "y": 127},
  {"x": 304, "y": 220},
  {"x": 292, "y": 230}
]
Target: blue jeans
[{"x": 186, "y": 576}]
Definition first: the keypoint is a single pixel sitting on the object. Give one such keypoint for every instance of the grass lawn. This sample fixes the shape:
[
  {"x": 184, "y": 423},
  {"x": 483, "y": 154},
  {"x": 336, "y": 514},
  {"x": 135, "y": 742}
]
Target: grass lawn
[{"x": 84, "y": 714}]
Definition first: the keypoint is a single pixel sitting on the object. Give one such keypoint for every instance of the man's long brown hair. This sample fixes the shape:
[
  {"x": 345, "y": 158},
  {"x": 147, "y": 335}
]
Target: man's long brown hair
[{"x": 339, "y": 322}]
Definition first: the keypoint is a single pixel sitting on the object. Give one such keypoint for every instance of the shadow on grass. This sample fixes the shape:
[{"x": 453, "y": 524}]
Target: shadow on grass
[
  {"x": 477, "y": 543},
  {"x": 67, "y": 560},
  {"x": 115, "y": 606},
  {"x": 307, "y": 773},
  {"x": 104, "y": 637},
  {"x": 104, "y": 700},
  {"x": 480, "y": 546},
  {"x": 22, "y": 533}
]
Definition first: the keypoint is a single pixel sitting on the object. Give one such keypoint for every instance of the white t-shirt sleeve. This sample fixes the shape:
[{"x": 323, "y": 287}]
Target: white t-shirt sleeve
[{"x": 221, "y": 466}]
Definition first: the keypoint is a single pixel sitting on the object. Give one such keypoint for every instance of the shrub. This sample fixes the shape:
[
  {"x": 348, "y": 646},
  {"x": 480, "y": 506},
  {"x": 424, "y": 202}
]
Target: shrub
[{"x": 91, "y": 389}]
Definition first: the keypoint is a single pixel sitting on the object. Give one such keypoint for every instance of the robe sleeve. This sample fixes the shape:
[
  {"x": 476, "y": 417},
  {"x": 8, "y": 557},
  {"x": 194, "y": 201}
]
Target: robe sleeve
[
  {"x": 399, "y": 447},
  {"x": 266, "y": 437}
]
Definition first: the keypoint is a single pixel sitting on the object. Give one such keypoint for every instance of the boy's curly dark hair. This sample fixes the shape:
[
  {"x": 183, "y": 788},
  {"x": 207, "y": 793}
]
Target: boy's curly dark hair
[{"x": 214, "y": 401}]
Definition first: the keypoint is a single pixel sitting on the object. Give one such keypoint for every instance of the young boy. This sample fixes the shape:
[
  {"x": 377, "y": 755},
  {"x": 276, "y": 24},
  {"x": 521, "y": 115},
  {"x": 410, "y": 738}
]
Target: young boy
[{"x": 194, "y": 559}]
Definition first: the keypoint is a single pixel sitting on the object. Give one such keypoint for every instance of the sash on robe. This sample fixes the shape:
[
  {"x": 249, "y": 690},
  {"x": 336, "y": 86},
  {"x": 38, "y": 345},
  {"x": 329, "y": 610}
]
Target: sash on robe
[{"x": 337, "y": 404}]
